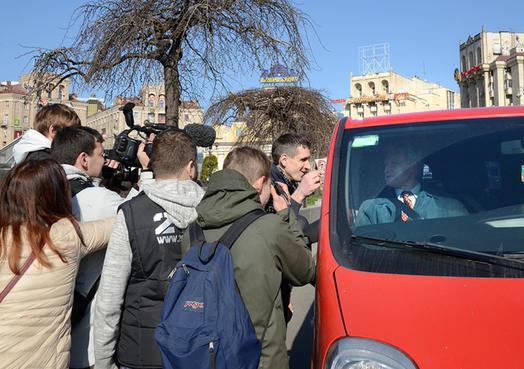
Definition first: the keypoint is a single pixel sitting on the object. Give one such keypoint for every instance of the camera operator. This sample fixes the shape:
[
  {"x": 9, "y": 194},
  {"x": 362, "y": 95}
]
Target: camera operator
[
  {"x": 80, "y": 151},
  {"x": 143, "y": 249}
]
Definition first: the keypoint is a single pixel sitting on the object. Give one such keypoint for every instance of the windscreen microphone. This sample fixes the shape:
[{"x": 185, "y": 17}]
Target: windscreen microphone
[{"x": 203, "y": 136}]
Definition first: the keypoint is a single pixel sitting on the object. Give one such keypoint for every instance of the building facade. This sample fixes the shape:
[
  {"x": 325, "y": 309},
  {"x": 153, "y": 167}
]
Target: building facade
[
  {"x": 18, "y": 108},
  {"x": 227, "y": 136},
  {"x": 386, "y": 93},
  {"x": 150, "y": 107},
  {"x": 492, "y": 70}
]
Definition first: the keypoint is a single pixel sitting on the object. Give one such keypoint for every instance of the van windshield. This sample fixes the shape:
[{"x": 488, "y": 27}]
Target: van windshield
[{"x": 454, "y": 183}]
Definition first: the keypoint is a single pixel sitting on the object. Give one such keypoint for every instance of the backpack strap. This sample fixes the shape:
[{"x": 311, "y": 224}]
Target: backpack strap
[
  {"x": 229, "y": 237},
  {"x": 196, "y": 235},
  {"x": 236, "y": 229},
  {"x": 79, "y": 184}
]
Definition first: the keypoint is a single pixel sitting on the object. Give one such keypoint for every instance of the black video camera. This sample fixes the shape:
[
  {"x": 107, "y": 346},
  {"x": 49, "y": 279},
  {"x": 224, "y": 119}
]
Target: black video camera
[{"x": 125, "y": 148}]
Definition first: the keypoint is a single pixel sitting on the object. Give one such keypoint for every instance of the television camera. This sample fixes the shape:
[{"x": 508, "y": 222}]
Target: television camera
[{"x": 125, "y": 148}]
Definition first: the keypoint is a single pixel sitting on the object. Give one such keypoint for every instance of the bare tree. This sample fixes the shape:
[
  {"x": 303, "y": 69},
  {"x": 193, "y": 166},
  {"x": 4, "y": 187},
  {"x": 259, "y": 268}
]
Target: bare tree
[
  {"x": 270, "y": 112},
  {"x": 188, "y": 44}
]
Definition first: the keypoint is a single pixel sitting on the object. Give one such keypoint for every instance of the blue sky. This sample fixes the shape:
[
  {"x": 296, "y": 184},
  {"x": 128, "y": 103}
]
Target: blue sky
[{"x": 424, "y": 36}]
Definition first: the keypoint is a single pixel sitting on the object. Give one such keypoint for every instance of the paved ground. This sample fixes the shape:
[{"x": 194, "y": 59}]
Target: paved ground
[{"x": 300, "y": 329}]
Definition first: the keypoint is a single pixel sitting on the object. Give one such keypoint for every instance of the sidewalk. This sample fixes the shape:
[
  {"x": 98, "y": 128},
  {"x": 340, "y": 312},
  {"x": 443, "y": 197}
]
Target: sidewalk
[{"x": 299, "y": 338}]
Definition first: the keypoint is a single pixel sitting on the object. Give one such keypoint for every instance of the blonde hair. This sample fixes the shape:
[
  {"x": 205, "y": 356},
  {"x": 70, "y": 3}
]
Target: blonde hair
[
  {"x": 250, "y": 162},
  {"x": 57, "y": 116}
]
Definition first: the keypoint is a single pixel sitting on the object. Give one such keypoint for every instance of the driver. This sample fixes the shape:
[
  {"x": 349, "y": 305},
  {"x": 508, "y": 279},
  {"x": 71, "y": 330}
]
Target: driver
[{"x": 404, "y": 199}]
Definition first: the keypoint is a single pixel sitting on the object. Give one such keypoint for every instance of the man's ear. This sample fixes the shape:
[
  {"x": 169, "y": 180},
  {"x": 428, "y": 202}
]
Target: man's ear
[
  {"x": 190, "y": 170},
  {"x": 81, "y": 161},
  {"x": 283, "y": 160},
  {"x": 259, "y": 183},
  {"x": 51, "y": 132}
]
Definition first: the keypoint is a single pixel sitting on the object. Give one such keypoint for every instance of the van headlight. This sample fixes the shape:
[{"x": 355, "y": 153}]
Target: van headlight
[{"x": 360, "y": 353}]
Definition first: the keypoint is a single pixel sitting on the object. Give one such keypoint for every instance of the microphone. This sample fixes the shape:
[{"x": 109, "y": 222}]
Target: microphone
[{"x": 203, "y": 136}]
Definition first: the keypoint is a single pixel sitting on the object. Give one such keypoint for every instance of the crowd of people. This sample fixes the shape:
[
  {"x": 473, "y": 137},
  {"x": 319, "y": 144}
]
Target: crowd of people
[{"x": 84, "y": 271}]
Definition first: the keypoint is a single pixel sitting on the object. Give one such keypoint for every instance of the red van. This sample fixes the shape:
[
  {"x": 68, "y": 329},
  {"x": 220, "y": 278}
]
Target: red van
[{"x": 439, "y": 285}]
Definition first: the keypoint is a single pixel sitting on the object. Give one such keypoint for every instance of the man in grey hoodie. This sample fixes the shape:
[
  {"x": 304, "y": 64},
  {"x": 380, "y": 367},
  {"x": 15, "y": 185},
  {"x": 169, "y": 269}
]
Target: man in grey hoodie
[{"x": 144, "y": 248}]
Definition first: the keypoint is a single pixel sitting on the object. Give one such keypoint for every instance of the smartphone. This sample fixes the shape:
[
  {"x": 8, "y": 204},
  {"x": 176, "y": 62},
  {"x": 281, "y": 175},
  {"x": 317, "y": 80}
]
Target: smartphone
[{"x": 280, "y": 191}]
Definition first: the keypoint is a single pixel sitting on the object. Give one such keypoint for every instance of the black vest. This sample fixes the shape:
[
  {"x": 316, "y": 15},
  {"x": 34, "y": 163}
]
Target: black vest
[{"x": 156, "y": 247}]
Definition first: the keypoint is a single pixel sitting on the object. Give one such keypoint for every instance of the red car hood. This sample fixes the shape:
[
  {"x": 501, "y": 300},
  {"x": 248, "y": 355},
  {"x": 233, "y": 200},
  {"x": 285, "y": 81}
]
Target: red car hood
[{"x": 439, "y": 322}]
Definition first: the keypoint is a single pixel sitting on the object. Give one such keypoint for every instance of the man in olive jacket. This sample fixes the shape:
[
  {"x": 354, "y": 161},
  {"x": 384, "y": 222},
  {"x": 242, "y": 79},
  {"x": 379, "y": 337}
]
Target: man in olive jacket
[{"x": 271, "y": 249}]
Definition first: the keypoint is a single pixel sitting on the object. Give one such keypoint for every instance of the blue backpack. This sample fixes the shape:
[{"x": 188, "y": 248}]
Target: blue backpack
[{"x": 204, "y": 322}]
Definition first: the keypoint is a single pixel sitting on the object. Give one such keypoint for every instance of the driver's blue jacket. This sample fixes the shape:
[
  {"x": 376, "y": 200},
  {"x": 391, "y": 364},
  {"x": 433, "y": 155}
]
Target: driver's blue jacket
[{"x": 428, "y": 206}]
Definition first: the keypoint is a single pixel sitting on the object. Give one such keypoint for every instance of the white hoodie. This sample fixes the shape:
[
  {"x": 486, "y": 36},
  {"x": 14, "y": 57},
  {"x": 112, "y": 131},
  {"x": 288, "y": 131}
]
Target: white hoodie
[
  {"x": 31, "y": 141},
  {"x": 92, "y": 203}
]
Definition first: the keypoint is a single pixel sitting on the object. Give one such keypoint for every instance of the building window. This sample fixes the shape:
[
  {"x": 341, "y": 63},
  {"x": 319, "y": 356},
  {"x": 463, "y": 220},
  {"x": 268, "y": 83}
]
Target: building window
[
  {"x": 358, "y": 87},
  {"x": 385, "y": 86},
  {"x": 372, "y": 88},
  {"x": 49, "y": 91},
  {"x": 471, "y": 60},
  {"x": 508, "y": 79},
  {"x": 161, "y": 117},
  {"x": 161, "y": 102},
  {"x": 151, "y": 101},
  {"x": 464, "y": 64},
  {"x": 479, "y": 56},
  {"x": 451, "y": 99},
  {"x": 5, "y": 122},
  {"x": 186, "y": 117},
  {"x": 151, "y": 117}
]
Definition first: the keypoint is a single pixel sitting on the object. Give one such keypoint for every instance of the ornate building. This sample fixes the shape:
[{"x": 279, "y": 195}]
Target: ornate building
[
  {"x": 377, "y": 94},
  {"x": 18, "y": 107},
  {"x": 492, "y": 70}
]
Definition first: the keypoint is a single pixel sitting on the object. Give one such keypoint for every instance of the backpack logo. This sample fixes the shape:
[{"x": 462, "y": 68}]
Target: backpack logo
[
  {"x": 195, "y": 306},
  {"x": 165, "y": 232}
]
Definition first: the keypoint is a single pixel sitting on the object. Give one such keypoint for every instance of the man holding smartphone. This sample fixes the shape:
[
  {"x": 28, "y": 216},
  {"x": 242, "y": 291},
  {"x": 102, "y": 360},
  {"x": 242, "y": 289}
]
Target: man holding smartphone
[
  {"x": 294, "y": 180},
  {"x": 291, "y": 167}
]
